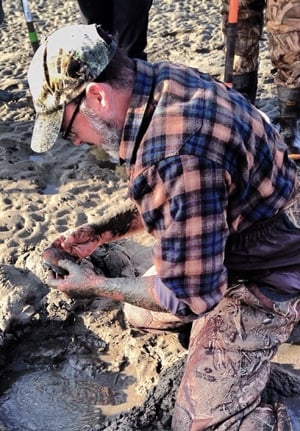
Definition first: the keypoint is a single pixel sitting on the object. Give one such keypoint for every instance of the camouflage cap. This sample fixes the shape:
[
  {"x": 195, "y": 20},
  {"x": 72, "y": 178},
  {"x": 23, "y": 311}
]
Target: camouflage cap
[{"x": 60, "y": 70}]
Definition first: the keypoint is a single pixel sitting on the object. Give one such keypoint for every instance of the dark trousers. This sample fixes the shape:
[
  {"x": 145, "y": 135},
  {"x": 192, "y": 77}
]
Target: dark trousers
[
  {"x": 126, "y": 20},
  {"x": 1, "y": 13}
]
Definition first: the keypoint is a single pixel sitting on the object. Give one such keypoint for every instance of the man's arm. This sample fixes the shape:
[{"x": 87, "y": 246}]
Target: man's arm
[
  {"x": 125, "y": 222},
  {"x": 83, "y": 282},
  {"x": 83, "y": 241}
]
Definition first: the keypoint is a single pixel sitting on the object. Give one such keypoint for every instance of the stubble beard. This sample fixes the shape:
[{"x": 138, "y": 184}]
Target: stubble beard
[{"x": 109, "y": 134}]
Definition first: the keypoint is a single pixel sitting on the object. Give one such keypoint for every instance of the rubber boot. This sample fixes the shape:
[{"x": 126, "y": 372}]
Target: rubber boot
[
  {"x": 289, "y": 109},
  {"x": 246, "y": 84}
]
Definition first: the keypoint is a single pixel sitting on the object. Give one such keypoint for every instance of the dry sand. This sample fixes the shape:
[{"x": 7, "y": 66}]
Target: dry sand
[{"x": 76, "y": 365}]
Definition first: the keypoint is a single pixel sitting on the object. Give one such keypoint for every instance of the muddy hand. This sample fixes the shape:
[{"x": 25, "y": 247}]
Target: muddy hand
[
  {"x": 52, "y": 255},
  {"x": 81, "y": 242},
  {"x": 80, "y": 281}
]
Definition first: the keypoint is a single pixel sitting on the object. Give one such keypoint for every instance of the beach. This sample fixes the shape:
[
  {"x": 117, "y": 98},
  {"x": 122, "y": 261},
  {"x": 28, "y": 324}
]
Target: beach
[{"x": 77, "y": 365}]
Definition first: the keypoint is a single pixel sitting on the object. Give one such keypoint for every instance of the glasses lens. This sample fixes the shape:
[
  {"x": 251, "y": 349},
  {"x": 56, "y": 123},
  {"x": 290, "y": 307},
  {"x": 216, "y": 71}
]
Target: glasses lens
[{"x": 67, "y": 134}]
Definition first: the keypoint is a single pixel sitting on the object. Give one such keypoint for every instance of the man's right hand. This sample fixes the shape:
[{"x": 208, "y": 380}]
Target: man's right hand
[
  {"x": 80, "y": 242},
  {"x": 73, "y": 246},
  {"x": 52, "y": 255}
]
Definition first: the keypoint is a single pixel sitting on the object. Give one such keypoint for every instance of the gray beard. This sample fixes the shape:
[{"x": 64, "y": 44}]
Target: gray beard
[{"x": 109, "y": 134}]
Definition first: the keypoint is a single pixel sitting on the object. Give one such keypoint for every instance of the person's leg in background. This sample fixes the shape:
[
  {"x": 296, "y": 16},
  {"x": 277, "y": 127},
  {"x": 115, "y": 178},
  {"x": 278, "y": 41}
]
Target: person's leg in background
[
  {"x": 228, "y": 365},
  {"x": 1, "y": 13},
  {"x": 97, "y": 12},
  {"x": 126, "y": 20},
  {"x": 283, "y": 25},
  {"x": 249, "y": 30},
  {"x": 130, "y": 24}
]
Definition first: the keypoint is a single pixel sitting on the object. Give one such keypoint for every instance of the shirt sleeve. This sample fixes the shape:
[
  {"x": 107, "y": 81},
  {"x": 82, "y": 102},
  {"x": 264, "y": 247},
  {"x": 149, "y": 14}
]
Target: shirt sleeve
[{"x": 183, "y": 202}]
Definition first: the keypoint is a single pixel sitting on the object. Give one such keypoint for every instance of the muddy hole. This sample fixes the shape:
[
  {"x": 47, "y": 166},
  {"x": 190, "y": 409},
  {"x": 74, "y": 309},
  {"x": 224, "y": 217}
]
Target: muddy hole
[{"x": 54, "y": 379}]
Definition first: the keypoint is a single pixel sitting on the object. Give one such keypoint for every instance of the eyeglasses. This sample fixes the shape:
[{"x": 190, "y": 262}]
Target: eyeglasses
[{"x": 67, "y": 133}]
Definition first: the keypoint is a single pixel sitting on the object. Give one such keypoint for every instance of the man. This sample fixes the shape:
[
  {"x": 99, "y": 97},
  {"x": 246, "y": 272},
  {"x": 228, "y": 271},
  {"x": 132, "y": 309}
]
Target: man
[
  {"x": 283, "y": 26},
  {"x": 126, "y": 20},
  {"x": 211, "y": 179}
]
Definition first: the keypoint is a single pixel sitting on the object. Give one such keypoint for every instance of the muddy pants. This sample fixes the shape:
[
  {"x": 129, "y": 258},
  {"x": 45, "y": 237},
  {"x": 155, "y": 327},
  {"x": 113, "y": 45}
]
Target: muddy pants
[
  {"x": 283, "y": 27},
  {"x": 228, "y": 363}
]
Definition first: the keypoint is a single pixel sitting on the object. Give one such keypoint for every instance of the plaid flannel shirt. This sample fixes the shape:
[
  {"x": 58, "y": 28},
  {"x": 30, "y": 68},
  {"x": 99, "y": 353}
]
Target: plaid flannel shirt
[{"x": 203, "y": 163}]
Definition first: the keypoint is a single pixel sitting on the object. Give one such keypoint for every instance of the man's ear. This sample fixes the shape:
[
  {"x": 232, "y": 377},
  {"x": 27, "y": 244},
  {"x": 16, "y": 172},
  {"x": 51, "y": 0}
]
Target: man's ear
[{"x": 97, "y": 94}]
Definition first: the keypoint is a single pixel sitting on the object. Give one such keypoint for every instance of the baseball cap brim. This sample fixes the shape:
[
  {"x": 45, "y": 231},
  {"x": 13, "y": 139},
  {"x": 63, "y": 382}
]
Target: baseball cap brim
[{"x": 46, "y": 130}]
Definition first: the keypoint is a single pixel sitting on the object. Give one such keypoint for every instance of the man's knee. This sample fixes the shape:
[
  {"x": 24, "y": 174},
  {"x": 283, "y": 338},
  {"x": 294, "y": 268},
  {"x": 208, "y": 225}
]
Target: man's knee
[{"x": 150, "y": 320}]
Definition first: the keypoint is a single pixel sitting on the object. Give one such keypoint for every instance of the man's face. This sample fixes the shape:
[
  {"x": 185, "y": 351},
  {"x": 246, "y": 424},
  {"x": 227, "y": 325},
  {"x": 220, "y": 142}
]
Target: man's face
[{"x": 86, "y": 126}]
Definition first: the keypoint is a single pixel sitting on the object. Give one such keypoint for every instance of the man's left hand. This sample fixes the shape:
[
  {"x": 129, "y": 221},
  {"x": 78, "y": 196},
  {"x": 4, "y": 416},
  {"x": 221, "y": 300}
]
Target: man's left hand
[{"x": 79, "y": 281}]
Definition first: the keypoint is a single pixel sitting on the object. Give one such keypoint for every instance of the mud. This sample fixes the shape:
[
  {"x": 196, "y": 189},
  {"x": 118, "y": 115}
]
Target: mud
[{"x": 77, "y": 366}]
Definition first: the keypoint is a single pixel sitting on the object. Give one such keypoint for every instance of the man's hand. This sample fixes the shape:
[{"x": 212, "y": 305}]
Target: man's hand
[
  {"x": 80, "y": 281},
  {"x": 81, "y": 242},
  {"x": 73, "y": 245},
  {"x": 52, "y": 255}
]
